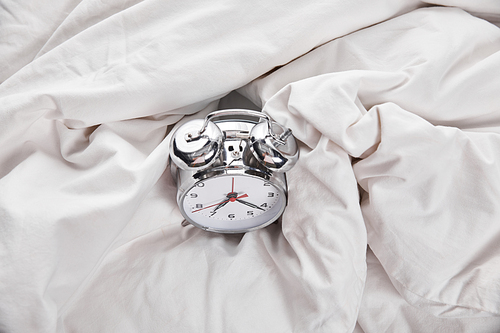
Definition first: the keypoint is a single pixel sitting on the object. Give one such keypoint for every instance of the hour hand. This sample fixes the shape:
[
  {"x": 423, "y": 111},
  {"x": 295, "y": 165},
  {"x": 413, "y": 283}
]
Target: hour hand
[
  {"x": 248, "y": 204},
  {"x": 222, "y": 204}
]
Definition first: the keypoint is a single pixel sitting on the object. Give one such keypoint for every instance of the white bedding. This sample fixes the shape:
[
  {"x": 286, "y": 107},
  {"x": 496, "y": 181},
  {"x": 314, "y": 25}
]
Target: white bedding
[{"x": 393, "y": 222}]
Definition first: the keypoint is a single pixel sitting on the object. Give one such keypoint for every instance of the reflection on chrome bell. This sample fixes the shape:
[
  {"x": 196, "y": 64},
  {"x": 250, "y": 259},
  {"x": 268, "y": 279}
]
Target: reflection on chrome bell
[
  {"x": 192, "y": 150},
  {"x": 274, "y": 147}
]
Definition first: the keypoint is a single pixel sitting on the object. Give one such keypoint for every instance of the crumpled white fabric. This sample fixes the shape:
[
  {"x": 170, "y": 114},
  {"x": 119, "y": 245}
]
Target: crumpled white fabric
[
  {"x": 426, "y": 130},
  {"x": 384, "y": 310},
  {"x": 90, "y": 235}
]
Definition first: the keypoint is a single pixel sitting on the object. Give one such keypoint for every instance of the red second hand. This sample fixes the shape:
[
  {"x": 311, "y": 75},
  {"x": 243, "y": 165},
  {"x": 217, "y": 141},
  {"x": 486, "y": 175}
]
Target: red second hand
[{"x": 231, "y": 199}]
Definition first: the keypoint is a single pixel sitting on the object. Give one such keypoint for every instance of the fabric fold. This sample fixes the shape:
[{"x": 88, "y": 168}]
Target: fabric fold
[{"x": 396, "y": 113}]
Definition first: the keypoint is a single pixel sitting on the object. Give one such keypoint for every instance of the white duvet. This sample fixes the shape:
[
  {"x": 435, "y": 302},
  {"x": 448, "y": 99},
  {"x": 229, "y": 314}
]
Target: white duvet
[{"x": 393, "y": 222}]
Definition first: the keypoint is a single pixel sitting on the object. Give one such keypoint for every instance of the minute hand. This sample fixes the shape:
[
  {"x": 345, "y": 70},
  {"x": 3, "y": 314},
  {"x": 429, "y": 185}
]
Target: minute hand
[{"x": 249, "y": 204}]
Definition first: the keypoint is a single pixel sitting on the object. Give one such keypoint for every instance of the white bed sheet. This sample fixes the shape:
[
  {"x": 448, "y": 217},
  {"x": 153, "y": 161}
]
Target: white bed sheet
[{"x": 397, "y": 113}]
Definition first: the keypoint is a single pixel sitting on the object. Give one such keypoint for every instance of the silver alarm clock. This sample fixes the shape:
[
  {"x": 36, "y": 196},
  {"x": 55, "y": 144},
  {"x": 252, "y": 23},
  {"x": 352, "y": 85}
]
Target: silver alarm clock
[{"x": 230, "y": 170}]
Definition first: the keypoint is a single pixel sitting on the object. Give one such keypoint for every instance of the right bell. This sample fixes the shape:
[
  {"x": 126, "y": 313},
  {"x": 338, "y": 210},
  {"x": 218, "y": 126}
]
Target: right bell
[{"x": 274, "y": 146}]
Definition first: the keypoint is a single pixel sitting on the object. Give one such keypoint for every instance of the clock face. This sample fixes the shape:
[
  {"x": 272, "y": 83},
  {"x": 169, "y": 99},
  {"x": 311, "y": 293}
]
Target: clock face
[{"x": 233, "y": 203}]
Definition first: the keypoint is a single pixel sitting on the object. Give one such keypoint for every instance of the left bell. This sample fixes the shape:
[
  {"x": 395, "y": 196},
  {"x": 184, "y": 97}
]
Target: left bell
[{"x": 192, "y": 150}]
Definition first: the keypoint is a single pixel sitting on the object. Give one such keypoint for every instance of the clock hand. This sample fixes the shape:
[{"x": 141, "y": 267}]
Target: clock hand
[
  {"x": 249, "y": 204},
  {"x": 225, "y": 201},
  {"x": 222, "y": 202},
  {"x": 233, "y": 199}
]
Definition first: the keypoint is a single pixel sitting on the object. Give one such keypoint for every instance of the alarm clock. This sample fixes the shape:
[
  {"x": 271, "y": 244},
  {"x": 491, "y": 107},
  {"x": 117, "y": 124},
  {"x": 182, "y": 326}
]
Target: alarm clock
[{"x": 230, "y": 170}]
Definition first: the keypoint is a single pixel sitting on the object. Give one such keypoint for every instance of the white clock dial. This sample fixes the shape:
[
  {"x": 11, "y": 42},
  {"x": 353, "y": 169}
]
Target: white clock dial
[{"x": 233, "y": 202}]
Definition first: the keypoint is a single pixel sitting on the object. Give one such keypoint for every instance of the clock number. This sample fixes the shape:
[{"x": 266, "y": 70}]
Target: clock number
[
  {"x": 264, "y": 204},
  {"x": 199, "y": 205},
  {"x": 231, "y": 216},
  {"x": 270, "y": 194},
  {"x": 193, "y": 195},
  {"x": 250, "y": 213},
  {"x": 200, "y": 184}
]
